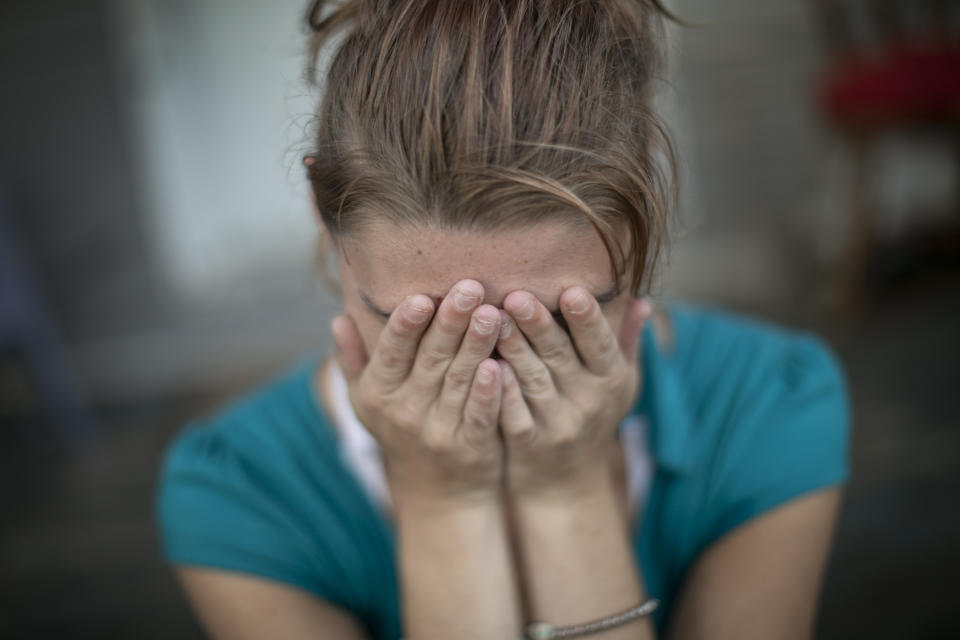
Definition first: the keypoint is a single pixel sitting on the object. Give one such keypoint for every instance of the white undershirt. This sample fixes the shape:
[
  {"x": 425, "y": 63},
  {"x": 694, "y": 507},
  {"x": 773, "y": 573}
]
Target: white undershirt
[{"x": 361, "y": 453}]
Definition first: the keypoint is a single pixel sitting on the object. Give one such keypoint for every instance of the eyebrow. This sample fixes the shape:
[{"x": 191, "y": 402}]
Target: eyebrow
[{"x": 602, "y": 298}]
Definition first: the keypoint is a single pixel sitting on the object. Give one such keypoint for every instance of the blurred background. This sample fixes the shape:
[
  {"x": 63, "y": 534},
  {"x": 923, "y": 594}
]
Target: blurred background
[{"x": 157, "y": 258}]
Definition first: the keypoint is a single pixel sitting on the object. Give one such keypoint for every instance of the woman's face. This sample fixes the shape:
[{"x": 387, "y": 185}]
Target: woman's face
[{"x": 385, "y": 263}]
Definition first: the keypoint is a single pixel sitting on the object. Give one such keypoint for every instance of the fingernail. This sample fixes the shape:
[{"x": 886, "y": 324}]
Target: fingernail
[
  {"x": 484, "y": 326},
  {"x": 579, "y": 304},
  {"x": 484, "y": 375},
  {"x": 415, "y": 312},
  {"x": 507, "y": 374},
  {"x": 525, "y": 312},
  {"x": 464, "y": 301}
]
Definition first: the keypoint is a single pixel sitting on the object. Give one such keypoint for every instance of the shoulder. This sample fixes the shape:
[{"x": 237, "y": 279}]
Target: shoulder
[
  {"x": 746, "y": 363},
  {"x": 767, "y": 406},
  {"x": 262, "y": 430},
  {"x": 259, "y": 488}
]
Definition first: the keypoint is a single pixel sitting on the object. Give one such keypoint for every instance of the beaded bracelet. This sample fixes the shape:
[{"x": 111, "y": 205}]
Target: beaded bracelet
[{"x": 546, "y": 631}]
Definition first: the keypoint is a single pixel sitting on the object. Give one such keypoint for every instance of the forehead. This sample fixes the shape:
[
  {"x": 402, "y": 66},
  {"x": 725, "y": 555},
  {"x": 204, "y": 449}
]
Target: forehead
[{"x": 389, "y": 262}]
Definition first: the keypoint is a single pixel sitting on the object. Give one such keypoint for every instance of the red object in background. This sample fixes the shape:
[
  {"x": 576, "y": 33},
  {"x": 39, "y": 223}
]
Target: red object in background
[{"x": 900, "y": 83}]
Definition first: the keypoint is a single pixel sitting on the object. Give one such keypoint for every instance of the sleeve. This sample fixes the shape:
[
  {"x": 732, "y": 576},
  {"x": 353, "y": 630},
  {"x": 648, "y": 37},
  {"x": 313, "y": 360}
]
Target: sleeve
[
  {"x": 788, "y": 433},
  {"x": 214, "y": 508}
]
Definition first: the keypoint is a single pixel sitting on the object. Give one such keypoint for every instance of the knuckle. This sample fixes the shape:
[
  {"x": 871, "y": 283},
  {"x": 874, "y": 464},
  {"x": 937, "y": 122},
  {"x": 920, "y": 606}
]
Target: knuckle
[
  {"x": 407, "y": 419},
  {"x": 555, "y": 353},
  {"x": 523, "y": 433},
  {"x": 458, "y": 378},
  {"x": 537, "y": 382},
  {"x": 390, "y": 357},
  {"x": 432, "y": 358},
  {"x": 587, "y": 401},
  {"x": 511, "y": 346},
  {"x": 437, "y": 441},
  {"x": 594, "y": 407},
  {"x": 477, "y": 409},
  {"x": 565, "y": 437},
  {"x": 605, "y": 342},
  {"x": 475, "y": 434}
]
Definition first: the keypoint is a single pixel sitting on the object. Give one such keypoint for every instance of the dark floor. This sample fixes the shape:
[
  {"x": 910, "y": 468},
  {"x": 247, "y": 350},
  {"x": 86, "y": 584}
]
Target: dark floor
[{"x": 78, "y": 552}]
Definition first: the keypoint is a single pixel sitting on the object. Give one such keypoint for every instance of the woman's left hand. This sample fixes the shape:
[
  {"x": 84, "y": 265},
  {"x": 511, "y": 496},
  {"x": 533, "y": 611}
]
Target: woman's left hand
[{"x": 564, "y": 395}]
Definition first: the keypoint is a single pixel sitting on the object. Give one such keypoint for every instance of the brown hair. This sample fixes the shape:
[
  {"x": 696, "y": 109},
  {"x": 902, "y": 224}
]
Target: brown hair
[{"x": 494, "y": 114}]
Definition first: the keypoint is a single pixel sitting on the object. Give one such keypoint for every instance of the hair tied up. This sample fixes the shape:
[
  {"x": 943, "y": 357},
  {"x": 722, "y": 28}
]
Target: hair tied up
[
  {"x": 490, "y": 115},
  {"x": 345, "y": 10}
]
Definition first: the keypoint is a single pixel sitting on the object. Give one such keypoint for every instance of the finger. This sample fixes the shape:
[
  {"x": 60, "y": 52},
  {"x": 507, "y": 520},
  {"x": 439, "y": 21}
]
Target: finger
[
  {"x": 596, "y": 343},
  {"x": 533, "y": 377},
  {"x": 516, "y": 421},
  {"x": 482, "y": 407},
  {"x": 477, "y": 344},
  {"x": 637, "y": 315},
  {"x": 550, "y": 342},
  {"x": 396, "y": 348},
  {"x": 351, "y": 354},
  {"x": 442, "y": 339}
]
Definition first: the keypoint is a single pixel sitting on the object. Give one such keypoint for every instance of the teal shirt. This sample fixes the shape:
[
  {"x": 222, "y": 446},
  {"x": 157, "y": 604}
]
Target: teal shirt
[{"x": 743, "y": 416}]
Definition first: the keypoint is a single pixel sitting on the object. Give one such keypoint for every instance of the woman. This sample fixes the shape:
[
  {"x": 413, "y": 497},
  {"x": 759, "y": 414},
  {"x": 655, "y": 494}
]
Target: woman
[{"x": 508, "y": 435}]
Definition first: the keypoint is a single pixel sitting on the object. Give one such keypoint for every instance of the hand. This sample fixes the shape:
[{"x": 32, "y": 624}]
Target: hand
[
  {"x": 430, "y": 396},
  {"x": 564, "y": 396}
]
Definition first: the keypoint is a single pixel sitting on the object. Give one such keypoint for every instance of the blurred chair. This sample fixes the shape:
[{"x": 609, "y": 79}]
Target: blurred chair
[
  {"x": 27, "y": 328},
  {"x": 904, "y": 75}
]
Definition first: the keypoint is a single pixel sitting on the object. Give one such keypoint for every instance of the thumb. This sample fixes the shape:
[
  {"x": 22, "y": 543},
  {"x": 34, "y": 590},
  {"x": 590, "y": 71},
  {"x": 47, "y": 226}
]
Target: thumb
[
  {"x": 634, "y": 319},
  {"x": 351, "y": 354}
]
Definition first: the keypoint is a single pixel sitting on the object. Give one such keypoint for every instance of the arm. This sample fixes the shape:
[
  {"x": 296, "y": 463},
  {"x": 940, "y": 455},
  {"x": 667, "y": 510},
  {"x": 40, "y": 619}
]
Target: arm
[
  {"x": 583, "y": 540},
  {"x": 444, "y": 463},
  {"x": 559, "y": 415},
  {"x": 456, "y": 570},
  {"x": 759, "y": 581},
  {"x": 762, "y": 579},
  {"x": 577, "y": 559},
  {"x": 431, "y": 398},
  {"x": 242, "y": 607},
  {"x": 457, "y": 578}
]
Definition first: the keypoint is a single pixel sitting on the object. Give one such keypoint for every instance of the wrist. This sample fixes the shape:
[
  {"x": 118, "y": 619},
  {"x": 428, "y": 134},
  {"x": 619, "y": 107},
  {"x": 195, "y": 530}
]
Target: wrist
[
  {"x": 585, "y": 485},
  {"x": 588, "y": 476},
  {"x": 429, "y": 501},
  {"x": 429, "y": 491}
]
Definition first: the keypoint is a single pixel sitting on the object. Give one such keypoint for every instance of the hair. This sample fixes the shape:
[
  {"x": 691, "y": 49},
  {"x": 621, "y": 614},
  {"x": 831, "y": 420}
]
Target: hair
[{"x": 488, "y": 115}]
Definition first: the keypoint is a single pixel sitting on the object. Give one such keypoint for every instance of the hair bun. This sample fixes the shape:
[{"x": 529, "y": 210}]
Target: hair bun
[{"x": 491, "y": 115}]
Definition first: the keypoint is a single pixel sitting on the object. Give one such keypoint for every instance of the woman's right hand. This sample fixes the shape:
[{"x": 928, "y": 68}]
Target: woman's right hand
[{"x": 430, "y": 395}]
